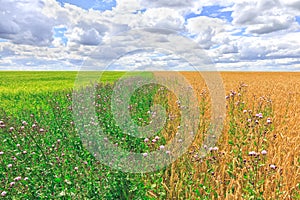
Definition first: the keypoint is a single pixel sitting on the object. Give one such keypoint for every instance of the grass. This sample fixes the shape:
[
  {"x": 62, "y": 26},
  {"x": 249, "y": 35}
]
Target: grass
[{"x": 43, "y": 156}]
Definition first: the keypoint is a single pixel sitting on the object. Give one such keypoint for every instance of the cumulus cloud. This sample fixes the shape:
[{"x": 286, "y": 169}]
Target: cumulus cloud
[
  {"x": 262, "y": 31},
  {"x": 262, "y": 16},
  {"x": 23, "y": 23}
]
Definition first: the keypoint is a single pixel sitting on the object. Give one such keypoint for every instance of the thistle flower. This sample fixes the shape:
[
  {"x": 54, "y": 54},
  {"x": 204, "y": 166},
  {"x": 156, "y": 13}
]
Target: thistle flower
[
  {"x": 11, "y": 129},
  {"x": 12, "y": 184},
  {"x": 146, "y": 140},
  {"x": 264, "y": 152},
  {"x": 156, "y": 138},
  {"x": 161, "y": 147},
  {"x": 41, "y": 130},
  {"x": 145, "y": 154},
  {"x": 273, "y": 166},
  {"x": 3, "y": 194}
]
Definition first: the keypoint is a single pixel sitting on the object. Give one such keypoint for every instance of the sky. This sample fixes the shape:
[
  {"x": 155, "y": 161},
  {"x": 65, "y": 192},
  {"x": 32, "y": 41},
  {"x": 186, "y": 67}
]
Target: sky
[{"x": 235, "y": 35}]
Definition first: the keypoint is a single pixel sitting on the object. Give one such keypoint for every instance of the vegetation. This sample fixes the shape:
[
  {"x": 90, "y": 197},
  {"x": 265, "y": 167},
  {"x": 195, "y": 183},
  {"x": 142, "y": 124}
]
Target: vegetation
[{"x": 43, "y": 157}]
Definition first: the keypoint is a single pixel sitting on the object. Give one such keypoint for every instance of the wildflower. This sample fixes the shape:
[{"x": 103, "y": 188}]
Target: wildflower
[
  {"x": 76, "y": 168},
  {"x": 252, "y": 153},
  {"x": 24, "y": 123},
  {"x": 264, "y": 152},
  {"x": 249, "y": 120},
  {"x": 1, "y": 152},
  {"x": 3, "y": 194},
  {"x": 33, "y": 126},
  {"x": 273, "y": 166},
  {"x": 161, "y": 147},
  {"x": 146, "y": 140},
  {"x": 244, "y": 111},
  {"x": 269, "y": 121},
  {"x": 9, "y": 165},
  {"x": 12, "y": 184},
  {"x": 58, "y": 141},
  {"x": 22, "y": 128},
  {"x": 42, "y": 130},
  {"x": 168, "y": 152},
  {"x": 215, "y": 149},
  {"x": 18, "y": 145},
  {"x": 259, "y": 115},
  {"x": 24, "y": 152},
  {"x": 156, "y": 138},
  {"x": 1, "y": 122},
  {"x": 11, "y": 129},
  {"x": 26, "y": 179},
  {"x": 145, "y": 154},
  {"x": 18, "y": 178}
]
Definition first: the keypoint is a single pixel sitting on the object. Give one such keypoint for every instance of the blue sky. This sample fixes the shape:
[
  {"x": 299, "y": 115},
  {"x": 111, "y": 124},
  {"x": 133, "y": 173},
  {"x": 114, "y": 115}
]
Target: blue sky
[{"x": 257, "y": 35}]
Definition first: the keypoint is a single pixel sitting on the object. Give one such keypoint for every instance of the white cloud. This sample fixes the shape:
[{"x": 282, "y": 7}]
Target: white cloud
[{"x": 262, "y": 16}]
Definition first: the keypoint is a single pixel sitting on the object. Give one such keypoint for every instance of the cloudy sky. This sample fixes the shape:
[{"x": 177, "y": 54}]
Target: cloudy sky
[{"x": 252, "y": 35}]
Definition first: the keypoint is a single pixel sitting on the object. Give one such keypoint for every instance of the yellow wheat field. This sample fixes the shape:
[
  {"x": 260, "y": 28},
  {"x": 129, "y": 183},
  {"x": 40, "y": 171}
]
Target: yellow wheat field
[{"x": 229, "y": 172}]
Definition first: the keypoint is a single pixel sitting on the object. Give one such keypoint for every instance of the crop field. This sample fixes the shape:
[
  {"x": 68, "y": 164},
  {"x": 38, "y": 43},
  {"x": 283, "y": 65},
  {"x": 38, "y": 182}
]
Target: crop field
[{"x": 43, "y": 156}]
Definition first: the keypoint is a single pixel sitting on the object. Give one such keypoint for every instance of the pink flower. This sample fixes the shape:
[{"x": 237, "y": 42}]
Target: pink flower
[
  {"x": 168, "y": 152},
  {"x": 58, "y": 141},
  {"x": 18, "y": 178},
  {"x": 146, "y": 140},
  {"x": 249, "y": 120},
  {"x": 269, "y": 121},
  {"x": 1, "y": 152},
  {"x": 252, "y": 153},
  {"x": 42, "y": 130},
  {"x": 18, "y": 145},
  {"x": 24, "y": 152},
  {"x": 3, "y": 194},
  {"x": 260, "y": 115},
  {"x": 244, "y": 111},
  {"x": 145, "y": 154},
  {"x": 264, "y": 152},
  {"x": 9, "y": 165},
  {"x": 76, "y": 168},
  {"x": 26, "y": 179},
  {"x": 156, "y": 138},
  {"x": 12, "y": 184},
  {"x": 161, "y": 147},
  {"x": 24, "y": 123},
  {"x": 273, "y": 166},
  {"x": 11, "y": 129}
]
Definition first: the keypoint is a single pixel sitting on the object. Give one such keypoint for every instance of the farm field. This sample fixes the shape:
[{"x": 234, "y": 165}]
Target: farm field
[{"x": 257, "y": 155}]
